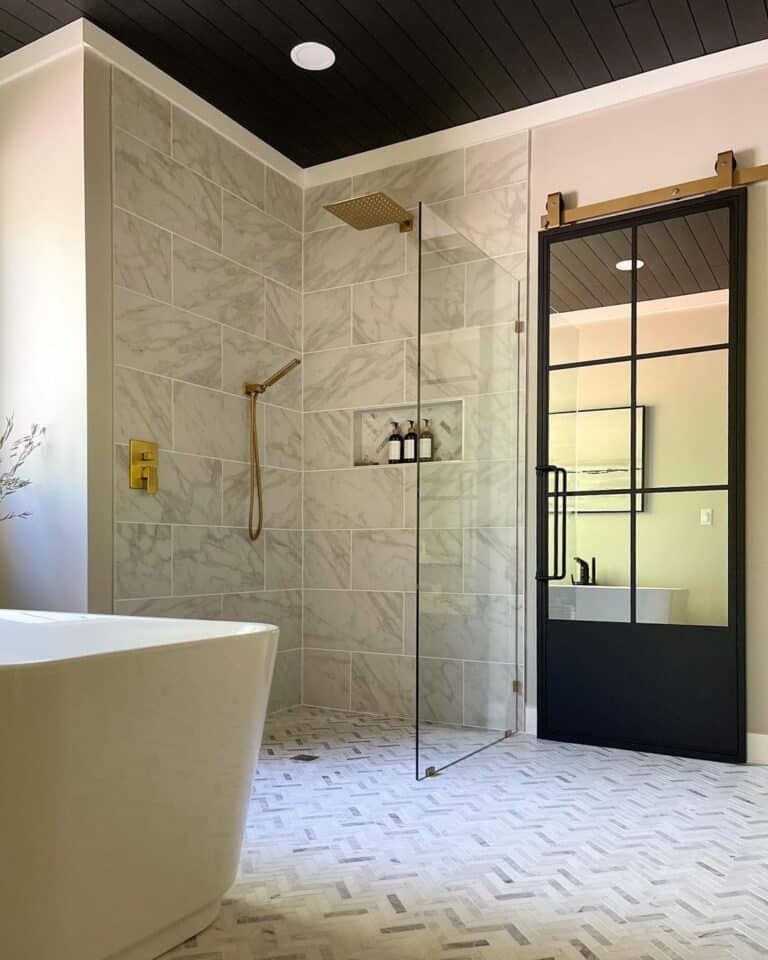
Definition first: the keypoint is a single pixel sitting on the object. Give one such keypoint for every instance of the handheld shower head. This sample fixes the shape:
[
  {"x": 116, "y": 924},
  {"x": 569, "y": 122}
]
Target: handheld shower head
[{"x": 250, "y": 388}]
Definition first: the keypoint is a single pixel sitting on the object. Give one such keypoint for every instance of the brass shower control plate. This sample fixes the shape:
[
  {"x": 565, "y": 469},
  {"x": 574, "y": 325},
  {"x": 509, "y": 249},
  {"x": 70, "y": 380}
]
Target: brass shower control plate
[
  {"x": 143, "y": 464},
  {"x": 371, "y": 210}
]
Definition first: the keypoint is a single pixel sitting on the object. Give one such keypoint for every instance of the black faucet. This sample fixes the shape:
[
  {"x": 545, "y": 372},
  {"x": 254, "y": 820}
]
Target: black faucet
[{"x": 584, "y": 573}]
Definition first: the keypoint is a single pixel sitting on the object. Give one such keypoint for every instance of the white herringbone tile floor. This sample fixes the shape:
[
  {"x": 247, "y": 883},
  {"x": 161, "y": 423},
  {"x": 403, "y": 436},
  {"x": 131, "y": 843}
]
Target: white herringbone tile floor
[{"x": 528, "y": 850}]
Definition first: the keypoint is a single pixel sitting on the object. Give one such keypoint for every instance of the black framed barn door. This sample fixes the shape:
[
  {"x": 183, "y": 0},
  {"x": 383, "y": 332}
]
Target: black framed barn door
[{"x": 640, "y": 530}]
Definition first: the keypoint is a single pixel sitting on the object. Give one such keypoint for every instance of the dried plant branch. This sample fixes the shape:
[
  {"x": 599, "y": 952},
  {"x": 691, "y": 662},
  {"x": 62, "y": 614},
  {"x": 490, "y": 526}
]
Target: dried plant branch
[{"x": 18, "y": 452}]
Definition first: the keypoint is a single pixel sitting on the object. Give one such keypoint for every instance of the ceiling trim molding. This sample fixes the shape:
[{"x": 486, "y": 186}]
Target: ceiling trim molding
[
  {"x": 704, "y": 69},
  {"x": 41, "y": 52}
]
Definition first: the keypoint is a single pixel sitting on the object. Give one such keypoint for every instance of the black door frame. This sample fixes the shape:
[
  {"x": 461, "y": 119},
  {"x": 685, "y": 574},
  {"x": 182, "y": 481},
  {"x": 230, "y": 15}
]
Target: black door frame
[{"x": 655, "y": 635}]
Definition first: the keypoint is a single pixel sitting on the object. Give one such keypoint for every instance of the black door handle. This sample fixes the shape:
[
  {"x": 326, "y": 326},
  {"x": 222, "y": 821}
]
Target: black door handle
[{"x": 560, "y": 531}]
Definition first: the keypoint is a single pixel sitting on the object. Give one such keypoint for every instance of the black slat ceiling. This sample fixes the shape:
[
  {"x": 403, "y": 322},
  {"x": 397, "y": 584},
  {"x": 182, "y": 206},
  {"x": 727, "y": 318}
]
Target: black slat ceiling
[{"x": 403, "y": 67}]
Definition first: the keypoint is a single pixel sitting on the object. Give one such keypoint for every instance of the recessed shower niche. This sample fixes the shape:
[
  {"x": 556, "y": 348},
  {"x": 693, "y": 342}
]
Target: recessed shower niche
[{"x": 372, "y": 429}]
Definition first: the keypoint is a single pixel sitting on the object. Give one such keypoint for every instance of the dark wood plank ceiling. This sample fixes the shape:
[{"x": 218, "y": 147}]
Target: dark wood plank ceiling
[{"x": 403, "y": 67}]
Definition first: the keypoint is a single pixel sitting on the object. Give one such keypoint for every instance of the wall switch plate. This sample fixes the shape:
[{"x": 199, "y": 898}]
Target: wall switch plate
[{"x": 706, "y": 517}]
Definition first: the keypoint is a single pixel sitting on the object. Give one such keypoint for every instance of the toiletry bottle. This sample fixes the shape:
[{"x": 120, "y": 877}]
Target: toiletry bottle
[
  {"x": 395, "y": 444},
  {"x": 425, "y": 442},
  {"x": 409, "y": 444}
]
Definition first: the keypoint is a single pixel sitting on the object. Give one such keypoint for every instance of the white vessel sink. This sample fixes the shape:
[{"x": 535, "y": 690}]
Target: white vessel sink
[{"x": 654, "y": 604}]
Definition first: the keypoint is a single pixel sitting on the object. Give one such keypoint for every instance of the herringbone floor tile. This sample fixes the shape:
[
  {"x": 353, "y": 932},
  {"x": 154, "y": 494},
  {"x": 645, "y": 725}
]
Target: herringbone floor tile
[{"x": 529, "y": 850}]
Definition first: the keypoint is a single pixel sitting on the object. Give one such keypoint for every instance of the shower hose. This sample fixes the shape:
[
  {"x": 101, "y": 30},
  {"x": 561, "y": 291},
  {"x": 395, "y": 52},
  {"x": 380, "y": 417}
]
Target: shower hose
[{"x": 257, "y": 492}]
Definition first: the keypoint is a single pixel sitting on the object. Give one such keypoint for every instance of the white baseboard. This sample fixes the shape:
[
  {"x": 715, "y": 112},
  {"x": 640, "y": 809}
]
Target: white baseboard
[
  {"x": 757, "y": 748},
  {"x": 530, "y": 720}
]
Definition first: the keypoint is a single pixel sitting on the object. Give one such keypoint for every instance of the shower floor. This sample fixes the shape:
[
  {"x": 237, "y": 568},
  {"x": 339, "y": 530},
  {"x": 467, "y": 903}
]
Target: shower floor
[{"x": 529, "y": 850}]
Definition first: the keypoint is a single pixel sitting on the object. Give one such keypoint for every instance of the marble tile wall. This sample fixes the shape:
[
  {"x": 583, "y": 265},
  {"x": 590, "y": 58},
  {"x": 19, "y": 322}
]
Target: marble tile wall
[
  {"x": 207, "y": 273},
  {"x": 360, "y": 326}
]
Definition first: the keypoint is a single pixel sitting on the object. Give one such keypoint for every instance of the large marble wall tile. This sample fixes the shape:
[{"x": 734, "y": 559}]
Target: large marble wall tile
[
  {"x": 216, "y": 560},
  {"x": 282, "y": 559},
  {"x": 489, "y": 698},
  {"x": 497, "y": 162},
  {"x": 493, "y": 291},
  {"x": 283, "y": 199},
  {"x": 142, "y": 560},
  {"x": 327, "y": 559},
  {"x": 185, "y": 608},
  {"x": 363, "y": 497},
  {"x": 440, "y": 496},
  {"x": 466, "y": 626},
  {"x": 210, "y": 423},
  {"x": 156, "y": 187},
  {"x": 328, "y": 440},
  {"x": 139, "y": 110},
  {"x": 282, "y": 496},
  {"x": 286, "y": 681},
  {"x": 259, "y": 241},
  {"x": 385, "y": 309},
  {"x": 281, "y": 607},
  {"x": 326, "y": 679},
  {"x": 343, "y": 255},
  {"x": 409, "y": 624},
  {"x": 353, "y": 620},
  {"x": 158, "y": 338},
  {"x": 442, "y": 299},
  {"x": 200, "y": 147},
  {"x": 495, "y": 221},
  {"x": 490, "y": 555},
  {"x": 384, "y": 684},
  {"x": 490, "y": 426},
  {"x": 283, "y": 315},
  {"x": 440, "y": 690},
  {"x": 212, "y": 286},
  {"x": 315, "y": 198},
  {"x": 282, "y": 437},
  {"x": 440, "y": 560},
  {"x": 412, "y": 370},
  {"x": 470, "y": 361},
  {"x": 354, "y": 376},
  {"x": 142, "y": 407},
  {"x": 384, "y": 559},
  {"x": 327, "y": 319},
  {"x": 189, "y": 490},
  {"x": 433, "y": 178},
  {"x": 141, "y": 256},
  {"x": 249, "y": 359},
  {"x": 489, "y": 493}
]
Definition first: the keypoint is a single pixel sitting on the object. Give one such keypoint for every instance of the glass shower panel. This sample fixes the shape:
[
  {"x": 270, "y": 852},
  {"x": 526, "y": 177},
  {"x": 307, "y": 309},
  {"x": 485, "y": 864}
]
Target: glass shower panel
[{"x": 467, "y": 371}]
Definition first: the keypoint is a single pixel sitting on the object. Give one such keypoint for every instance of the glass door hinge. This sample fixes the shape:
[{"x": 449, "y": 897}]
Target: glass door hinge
[
  {"x": 517, "y": 686},
  {"x": 519, "y": 326}
]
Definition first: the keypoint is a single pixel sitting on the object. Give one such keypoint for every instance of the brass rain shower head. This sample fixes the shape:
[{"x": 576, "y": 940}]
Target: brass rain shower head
[{"x": 371, "y": 210}]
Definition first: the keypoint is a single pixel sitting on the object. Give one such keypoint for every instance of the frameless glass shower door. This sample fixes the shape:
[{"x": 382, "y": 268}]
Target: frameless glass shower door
[{"x": 468, "y": 489}]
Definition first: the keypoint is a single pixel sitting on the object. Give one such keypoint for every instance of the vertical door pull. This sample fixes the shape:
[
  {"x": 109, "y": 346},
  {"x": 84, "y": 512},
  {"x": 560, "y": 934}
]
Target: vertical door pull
[{"x": 559, "y": 532}]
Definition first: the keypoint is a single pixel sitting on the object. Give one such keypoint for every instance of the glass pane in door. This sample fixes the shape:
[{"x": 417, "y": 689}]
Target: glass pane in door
[{"x": 468, "y": 494}]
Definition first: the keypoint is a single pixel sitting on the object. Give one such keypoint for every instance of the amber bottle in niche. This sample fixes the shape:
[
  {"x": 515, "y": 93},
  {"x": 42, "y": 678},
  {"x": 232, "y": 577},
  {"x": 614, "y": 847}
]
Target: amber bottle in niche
[
  {"x": 425, "y": 442},
  {"x": 409, "y": 444},
  {"x": 395, "y": 444}
]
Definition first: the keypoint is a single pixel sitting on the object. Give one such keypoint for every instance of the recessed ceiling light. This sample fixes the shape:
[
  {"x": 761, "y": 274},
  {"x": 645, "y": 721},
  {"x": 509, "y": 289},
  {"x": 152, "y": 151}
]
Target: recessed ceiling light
[
  {"x": 313, "y": 56},
  {"x": 627, "y": 264}
]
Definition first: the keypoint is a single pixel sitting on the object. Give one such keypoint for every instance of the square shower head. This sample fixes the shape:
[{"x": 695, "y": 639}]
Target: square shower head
[{"x": 371, "y": 210}]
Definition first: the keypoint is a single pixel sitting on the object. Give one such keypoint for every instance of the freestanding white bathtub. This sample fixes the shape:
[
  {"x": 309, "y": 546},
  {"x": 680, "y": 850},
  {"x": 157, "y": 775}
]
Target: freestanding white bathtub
[{"x": 127, "y": 747}]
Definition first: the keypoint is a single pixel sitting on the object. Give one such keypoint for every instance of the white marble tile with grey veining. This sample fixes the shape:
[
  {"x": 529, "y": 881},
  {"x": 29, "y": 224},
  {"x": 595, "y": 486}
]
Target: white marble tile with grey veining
[
  {"x": 283, "y": 315},
  {"x": 412, "y": 374},
  {"x": 261, "y": 242},
  {"x": 158, "y": 338},
  {"x": 141, "y": 111},
  {"x": 370, "y": 374},
  {"x": 363, "y": 497},
  {"x": 327, "y": 559},
  {"x": 385, "y": 309},
  {"x": 495, "y": 290},
  {"x": 327, "y": 319},
  {"x": 384, "y": 559},
  {"x": 282, "y": 443},
  {"x": 468, "y": 494},
  {"x": 489, "y": 696},
  {"x": 142, "y": 407},
  {"x": 158, "y": 188},
  {"x": 497, "y": 162},
  {"x": 495, "y": 221},
  {"x": 282, "y": 559},
  {"x": 469, "y": 361},
  {"x": 442, "y": 299},
  {"x": 490, "y": 426},
  {"x": 283, "y": 199},
  {"x": 210, "y": 423},
  {"x": 249, "y": 359},
  {"x": 207, "y": 152},
  {"x": 286, "y": 681},
  {"x": 353, "y": 620},
  {"x": 315, "y": 198},
  {"x": 215, "y": 287},
  {"x": 344, "y": 255},
  {"x": 327, "y": 679},
  {"x": 440, "y": 495},
  {"x": 184, "y": 608},
  {"x": 282, "y": 496},
  {"x": 328, "y": 440},
  {"x": 142, "y": 560},
  {"x": 281, "y": 607},
  {"x": 427, "y": 180},
  {"x": 216, "y": 560},
  {"x": 440, "y": 560},
  {"x": 189, "y": 490},
  {"x": 465, "y": 626},
  {"x": 141, "y": 256},
  {"x": 490, "y": 559},
  {"x": 440, "y": 690},
  {"x": 384, "y": 684}
]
